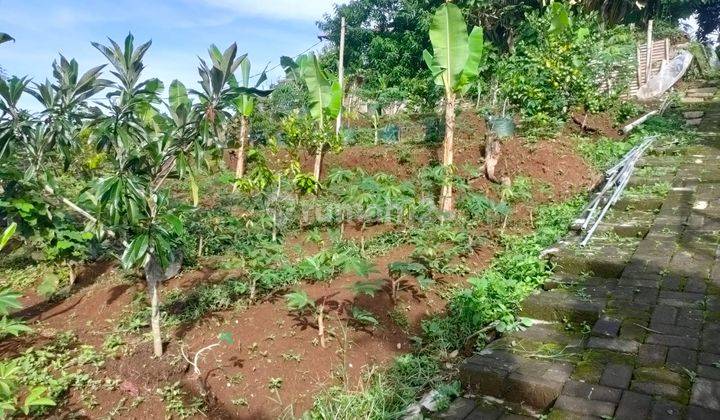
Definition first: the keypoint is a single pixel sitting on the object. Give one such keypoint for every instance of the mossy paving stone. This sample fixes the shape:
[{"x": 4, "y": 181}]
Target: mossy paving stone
[
  {"x": 515, "y": 378},
  {"x": 549, "y": 333},
  {"x": 561, "y": 306},
  {"x": 602, "y": 258},
  {"x": 630, "y": 203},
  {"x": 662, "y": 288}
]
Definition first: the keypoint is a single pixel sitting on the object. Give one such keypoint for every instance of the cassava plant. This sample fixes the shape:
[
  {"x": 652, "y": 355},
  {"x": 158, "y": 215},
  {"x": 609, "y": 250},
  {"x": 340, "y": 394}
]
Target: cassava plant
[
  {"x": 401, "y": 270},
  {"x": 454, "y": 64},
  {"x": 300, "y": 303}
]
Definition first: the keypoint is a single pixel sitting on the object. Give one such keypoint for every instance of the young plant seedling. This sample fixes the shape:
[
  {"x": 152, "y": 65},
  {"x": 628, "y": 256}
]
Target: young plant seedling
[
  {"x": 368, "y": 288},
  {"x": 363, "y": 317},
  {"x": 300, "y": 303},
  {"x": 399, "y": 270}
]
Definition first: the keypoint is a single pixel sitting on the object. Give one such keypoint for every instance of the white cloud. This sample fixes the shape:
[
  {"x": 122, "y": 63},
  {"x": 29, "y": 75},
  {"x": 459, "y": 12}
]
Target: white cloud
[{"x": 306, "y": 10}]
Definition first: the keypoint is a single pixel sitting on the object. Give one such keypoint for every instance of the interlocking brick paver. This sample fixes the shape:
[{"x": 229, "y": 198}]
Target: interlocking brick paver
[
  {"x": 706, "y": 393},
  {"x": 666, "y": 410},
  {"x": 664, "y": 314},
  {"x": 606, "y": 327},
  {"x": 651, "y": 307},
  {"x": 674, "y": 341},
  {"x": 585, "y": 407},
  {"x": 633, "y": 405},
  {"x": 652, "y": 354},
  {"x": 617, "y": 375},
  {"x": 680, "y": 357}
]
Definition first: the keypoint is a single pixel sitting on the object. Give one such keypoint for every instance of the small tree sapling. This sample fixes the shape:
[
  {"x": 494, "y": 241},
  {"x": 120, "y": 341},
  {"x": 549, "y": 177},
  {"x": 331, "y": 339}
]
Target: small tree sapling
[{"x": 454, "y": 63}]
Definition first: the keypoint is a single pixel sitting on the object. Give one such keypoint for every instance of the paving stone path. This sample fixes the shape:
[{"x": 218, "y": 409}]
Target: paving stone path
[{"x": 629, "y": 326}]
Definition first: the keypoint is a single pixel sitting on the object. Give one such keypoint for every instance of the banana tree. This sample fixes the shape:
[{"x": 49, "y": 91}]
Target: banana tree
[
  {"x": 325, "y": 105},
  {"x": 454, "y": 65},
  {"x": 245, "y": 106}
]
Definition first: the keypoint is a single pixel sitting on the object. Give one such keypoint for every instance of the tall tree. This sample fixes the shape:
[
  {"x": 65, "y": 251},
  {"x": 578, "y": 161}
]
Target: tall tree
[{"x": 384, "y": 44}]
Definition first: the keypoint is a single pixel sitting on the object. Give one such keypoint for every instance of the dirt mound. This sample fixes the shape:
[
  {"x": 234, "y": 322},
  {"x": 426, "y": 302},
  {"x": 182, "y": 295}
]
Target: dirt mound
[{"x": 601, "y": 124}]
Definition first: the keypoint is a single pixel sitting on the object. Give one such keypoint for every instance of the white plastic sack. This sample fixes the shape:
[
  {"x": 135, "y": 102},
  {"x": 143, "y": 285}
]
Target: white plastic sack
[
  {"x": 670, "y": 72},
  {"x": 713, "y": 58}
]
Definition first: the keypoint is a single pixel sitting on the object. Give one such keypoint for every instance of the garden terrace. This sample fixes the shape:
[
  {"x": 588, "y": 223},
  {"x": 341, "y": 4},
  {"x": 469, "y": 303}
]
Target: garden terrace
[{"x": 335, "y": 244}]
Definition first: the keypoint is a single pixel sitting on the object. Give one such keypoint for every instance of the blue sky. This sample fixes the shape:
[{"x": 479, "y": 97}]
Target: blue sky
[{"x": 180, "y": 30}]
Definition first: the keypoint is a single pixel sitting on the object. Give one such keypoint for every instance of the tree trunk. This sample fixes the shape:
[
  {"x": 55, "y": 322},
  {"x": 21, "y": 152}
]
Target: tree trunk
[
  {"x": 321, "y": 324},
  {"x": 446, "y": 201},
  {"x": 318, "y": 164},
  {"x": 240, "y": 154},
  {"x": 275, "y": 210},
  {"x": 492, "y": 156},
  {"x": 155, "y": 318},
  {"x": 71, "y": 273}
]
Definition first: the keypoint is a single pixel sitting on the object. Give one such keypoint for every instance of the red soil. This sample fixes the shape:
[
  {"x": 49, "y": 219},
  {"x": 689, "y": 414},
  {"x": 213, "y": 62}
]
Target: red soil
[{"x": 268, "y": 338}]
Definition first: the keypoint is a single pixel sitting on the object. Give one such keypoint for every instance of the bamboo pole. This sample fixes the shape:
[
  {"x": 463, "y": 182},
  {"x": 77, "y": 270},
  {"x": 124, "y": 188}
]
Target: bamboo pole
[
  {"x": 628, "y": 128},
  {"x": 341, "y": 74},
  {"x": 648, "y": 60}
]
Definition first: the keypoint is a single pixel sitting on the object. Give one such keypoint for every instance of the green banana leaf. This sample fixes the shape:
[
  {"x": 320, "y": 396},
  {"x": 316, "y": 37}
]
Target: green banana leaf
[
  {"x": 246, "y": 95},
  {"x": 5, "y": 37},
  {"x": 457, "y": 56},
  {"x": 178, "y": 96},
  {"x": 325, "y": 96},
  {"x": 449, "y": 38},
  {"x": 476, "y": 47}
]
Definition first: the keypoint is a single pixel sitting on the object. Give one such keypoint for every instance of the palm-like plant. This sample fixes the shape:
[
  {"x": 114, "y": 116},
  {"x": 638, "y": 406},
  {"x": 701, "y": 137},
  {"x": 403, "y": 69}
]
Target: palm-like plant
[
  {"x": 65, "y": 104},
  {"x": 217, "y": 94},
  {"x": 147, "y": 147},
  {"x": 454, "y": 65}
]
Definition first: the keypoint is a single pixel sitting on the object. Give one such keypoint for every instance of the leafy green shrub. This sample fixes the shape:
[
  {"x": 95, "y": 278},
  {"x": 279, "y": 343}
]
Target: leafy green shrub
[
  {"x": 626, "y": 110},
  {"x": 495, "y": 294},
  {"x": 559, "y": 62},
  {"x": 478, "y": 206}
]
